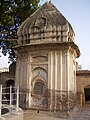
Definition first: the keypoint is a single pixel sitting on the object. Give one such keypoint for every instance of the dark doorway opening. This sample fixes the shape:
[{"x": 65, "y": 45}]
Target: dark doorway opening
[
  {"x": 8, "y": 84},
  {"x": 87, "y": 94}
]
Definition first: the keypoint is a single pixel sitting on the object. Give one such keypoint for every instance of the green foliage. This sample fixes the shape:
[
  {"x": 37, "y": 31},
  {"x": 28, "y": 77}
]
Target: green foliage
[{"x": 12, "y": 14}]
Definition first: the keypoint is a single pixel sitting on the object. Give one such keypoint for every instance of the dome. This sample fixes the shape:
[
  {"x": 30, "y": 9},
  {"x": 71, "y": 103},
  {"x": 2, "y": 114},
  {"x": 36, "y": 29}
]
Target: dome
[
  {"x": 12, "y": 67},
  {"x": 46, "y": 25}
]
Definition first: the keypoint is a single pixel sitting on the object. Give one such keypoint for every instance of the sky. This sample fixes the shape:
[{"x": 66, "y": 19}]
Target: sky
[{"x": 77, "y": 12}]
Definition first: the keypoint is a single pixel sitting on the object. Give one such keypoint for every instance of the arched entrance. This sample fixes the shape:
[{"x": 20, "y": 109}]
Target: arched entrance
[
  {"x": 8, "y": 84},
  {"x": 87, "y": 93}
]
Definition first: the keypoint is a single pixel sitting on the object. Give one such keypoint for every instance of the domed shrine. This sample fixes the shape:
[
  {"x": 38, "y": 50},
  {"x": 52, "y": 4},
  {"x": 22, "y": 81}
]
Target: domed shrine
[{"x": 46, "y": 66}]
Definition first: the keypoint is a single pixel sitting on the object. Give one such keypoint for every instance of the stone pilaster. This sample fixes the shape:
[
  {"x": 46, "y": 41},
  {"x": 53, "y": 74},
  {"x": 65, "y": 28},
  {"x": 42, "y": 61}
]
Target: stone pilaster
[
  {"x": 51, "y": 88},
  {"x": 29, "y": 79},
  {"x": 56, "y": 82}
]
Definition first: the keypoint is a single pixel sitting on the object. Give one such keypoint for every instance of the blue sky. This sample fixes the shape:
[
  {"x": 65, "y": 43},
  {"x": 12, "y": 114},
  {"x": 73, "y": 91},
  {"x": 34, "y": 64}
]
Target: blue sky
[{"x": 77, "y": 12}]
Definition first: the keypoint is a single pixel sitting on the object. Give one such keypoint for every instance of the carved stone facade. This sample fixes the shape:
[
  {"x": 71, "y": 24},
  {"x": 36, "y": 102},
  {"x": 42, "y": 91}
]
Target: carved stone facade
[{"x": 46, "y": 67}]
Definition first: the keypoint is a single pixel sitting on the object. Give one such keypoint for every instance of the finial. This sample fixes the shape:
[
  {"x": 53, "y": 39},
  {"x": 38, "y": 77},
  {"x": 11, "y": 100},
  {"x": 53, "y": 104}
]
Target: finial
[{"x": 49, "y": 1}]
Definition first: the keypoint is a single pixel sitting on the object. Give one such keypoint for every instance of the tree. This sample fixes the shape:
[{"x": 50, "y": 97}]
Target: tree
[{"x": 12, "y": 14}]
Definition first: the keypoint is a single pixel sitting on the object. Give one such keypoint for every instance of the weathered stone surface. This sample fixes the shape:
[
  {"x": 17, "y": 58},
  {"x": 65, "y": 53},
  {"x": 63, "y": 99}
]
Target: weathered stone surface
[
  {"x": 13, "y": 114},
  {"x": 79, "y": 113},
  {"x": 40, "y": 27}
]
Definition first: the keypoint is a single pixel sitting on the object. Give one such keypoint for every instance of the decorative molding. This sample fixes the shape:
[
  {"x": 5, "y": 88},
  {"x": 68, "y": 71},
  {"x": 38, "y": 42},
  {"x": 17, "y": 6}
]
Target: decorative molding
[
  {"x": 39, "y": 59},
  {"x": 42, "y": 66}
]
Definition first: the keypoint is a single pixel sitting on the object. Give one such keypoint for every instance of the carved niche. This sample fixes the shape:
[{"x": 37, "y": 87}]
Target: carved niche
[
  {"x": 39, "y": 82},
  {"x": 39, "y": 88}
]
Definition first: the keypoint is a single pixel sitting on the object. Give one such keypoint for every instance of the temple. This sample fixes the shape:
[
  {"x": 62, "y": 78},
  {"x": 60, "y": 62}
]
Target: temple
[{"x": 46, "y": 66}]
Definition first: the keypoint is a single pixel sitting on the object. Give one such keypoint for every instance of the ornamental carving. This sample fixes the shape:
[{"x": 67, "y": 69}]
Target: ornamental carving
[
  {"x": 39, "y": 73},
  {"x": 40, "y": 23},
  {"x": 38, "y": 86}
]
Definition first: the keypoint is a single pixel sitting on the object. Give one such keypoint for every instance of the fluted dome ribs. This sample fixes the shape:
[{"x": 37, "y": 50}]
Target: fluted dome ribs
[{"x": 46, "y": 25}]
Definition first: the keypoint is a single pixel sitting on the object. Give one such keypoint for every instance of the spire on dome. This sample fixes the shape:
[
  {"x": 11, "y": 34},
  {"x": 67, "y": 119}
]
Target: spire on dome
[{"x": 49, "y": 1}]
